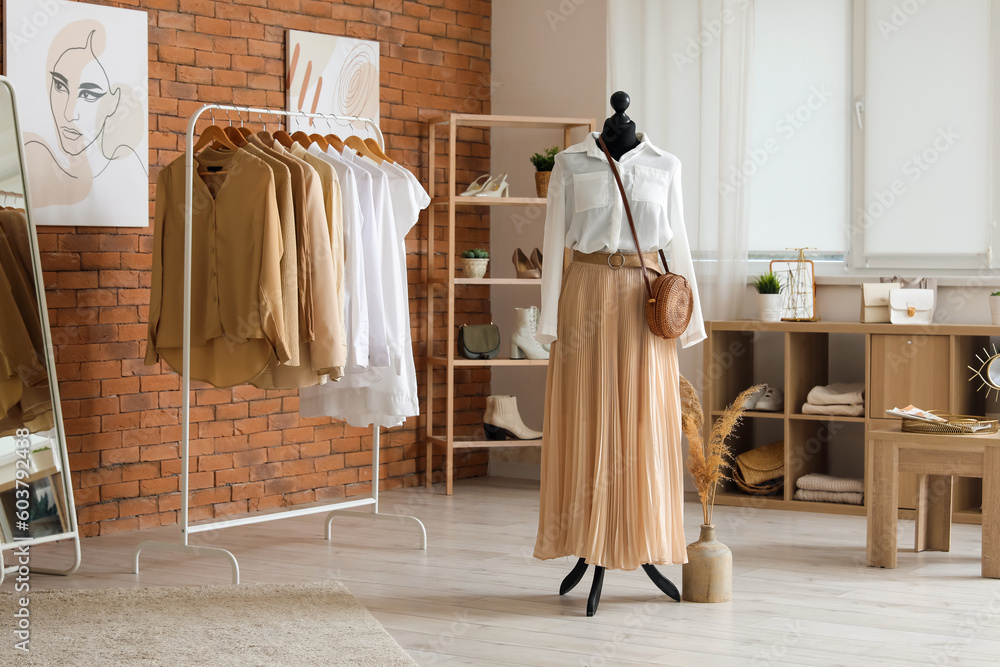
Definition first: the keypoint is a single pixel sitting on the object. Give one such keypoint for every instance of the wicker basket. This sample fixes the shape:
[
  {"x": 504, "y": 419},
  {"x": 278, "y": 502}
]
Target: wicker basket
[
  {"x": 956, "y": 425},
  {"x": 761, "y": 464},
  {"x": 542, "y": 183},
  {"x": 768, "y": 488}
]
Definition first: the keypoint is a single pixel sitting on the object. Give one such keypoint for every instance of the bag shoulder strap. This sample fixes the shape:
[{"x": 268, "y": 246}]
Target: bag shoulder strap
[{"x": 631, "y": 222}]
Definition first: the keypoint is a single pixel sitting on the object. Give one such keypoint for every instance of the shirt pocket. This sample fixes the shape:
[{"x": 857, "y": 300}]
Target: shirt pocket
[
  {"x": 590, "y": 191},
  {"x": 651, "y": 185}
]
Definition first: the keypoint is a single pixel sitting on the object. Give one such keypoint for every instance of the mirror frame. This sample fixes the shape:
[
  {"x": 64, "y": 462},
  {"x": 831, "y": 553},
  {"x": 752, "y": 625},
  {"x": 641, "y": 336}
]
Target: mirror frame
[{"x": 50, "y": 367}]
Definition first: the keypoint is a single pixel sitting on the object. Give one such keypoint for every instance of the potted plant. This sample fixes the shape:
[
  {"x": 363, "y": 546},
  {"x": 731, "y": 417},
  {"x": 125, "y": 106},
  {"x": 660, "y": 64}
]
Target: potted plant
[
  {"x": 543, "y": 165},
  {"x": 995, "y": 306},
  {"x": 708, "y": 574},
  {"x": 768, "y": 297},
  {"x": 474, "y": 262}
]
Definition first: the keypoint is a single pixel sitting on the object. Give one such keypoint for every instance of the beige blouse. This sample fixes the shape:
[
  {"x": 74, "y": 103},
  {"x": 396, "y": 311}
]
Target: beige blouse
[{"x": 237, "y": 324}]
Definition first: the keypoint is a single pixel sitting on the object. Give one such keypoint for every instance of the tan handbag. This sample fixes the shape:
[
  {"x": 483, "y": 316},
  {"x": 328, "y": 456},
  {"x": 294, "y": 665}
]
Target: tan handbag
[
  {"x": 875, "y": 301},
  {"x": 670, "y": 303}
]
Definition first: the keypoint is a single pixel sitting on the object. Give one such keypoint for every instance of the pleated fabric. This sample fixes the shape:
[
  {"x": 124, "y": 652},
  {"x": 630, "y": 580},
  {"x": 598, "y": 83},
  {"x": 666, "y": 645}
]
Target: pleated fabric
[{"x": 612, "y": 481}]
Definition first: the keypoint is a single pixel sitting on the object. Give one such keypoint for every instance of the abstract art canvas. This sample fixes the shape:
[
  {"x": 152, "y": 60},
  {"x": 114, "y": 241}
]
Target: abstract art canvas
[
  {"x": 331, "y": 75},
  {"x": 81, "y": 75}
]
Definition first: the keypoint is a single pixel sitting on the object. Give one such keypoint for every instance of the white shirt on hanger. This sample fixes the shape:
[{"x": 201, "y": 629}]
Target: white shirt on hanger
[
  {"x": 392, "y": 397},
  {"x": 585, "y": 212},
  {"x": 355, "y": 296}
]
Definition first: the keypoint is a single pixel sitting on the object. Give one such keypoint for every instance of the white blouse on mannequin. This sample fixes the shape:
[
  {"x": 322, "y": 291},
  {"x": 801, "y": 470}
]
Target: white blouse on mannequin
[{"x": 585, "y": 213}]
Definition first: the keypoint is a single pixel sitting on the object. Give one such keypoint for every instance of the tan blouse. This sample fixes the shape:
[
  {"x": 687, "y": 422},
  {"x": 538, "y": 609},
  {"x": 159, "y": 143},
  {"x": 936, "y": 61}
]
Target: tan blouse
[
  {"x": 289, "y": 263},
  {"x": 237, "y": 325}
]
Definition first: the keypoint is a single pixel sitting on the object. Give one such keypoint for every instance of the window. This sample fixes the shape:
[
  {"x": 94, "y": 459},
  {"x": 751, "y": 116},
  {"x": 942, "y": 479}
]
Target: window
[
  {"x": 799, "y": 163},
  {"x": 873, "y": 132}
]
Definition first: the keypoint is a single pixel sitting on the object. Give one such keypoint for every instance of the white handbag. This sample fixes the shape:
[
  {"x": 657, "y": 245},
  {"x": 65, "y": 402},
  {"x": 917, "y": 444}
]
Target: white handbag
[
  {"x": 911, "y": 306},
  {"x": 875, "y": 301}
]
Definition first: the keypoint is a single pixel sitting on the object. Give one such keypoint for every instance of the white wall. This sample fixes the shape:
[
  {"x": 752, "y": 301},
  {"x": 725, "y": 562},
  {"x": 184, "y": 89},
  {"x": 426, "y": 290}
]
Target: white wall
[{"x": 548, "y": 59}]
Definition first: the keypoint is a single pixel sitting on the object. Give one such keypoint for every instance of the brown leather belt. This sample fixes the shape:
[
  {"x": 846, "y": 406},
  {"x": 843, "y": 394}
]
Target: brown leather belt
[{"x": 615, "y": 260}]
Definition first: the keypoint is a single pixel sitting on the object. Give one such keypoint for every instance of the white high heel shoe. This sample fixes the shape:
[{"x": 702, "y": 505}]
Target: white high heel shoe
[
  {"x": 496, "y": 187},
  {"x": 476, "y": 186}
]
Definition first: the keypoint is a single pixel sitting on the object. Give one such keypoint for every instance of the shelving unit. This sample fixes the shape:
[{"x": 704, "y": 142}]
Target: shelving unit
[
  {"x": 443, "y": 281},
  {"x": 901, "y": 364}
]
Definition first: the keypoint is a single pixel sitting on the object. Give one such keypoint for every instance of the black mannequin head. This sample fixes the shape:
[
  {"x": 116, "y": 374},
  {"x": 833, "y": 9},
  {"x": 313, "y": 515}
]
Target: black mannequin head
[{"x": 619, "y": 129}]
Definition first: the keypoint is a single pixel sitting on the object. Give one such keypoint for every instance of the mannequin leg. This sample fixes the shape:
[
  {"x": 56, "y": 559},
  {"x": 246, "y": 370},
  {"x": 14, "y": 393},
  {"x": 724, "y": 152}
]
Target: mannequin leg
[
  {"x": 595, "y": 591},
  {"x": 573, "y": 578},
  {"x": 661, "y": 582}
]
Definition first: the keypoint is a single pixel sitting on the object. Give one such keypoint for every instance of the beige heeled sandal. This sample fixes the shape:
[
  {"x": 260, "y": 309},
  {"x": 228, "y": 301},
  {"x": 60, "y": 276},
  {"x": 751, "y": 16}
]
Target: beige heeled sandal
[{"x": 525, "y": 268}]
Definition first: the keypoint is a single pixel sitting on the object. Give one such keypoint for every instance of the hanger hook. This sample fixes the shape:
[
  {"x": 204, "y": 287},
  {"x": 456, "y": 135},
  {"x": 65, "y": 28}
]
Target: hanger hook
[{"x": 211, "y": 114}]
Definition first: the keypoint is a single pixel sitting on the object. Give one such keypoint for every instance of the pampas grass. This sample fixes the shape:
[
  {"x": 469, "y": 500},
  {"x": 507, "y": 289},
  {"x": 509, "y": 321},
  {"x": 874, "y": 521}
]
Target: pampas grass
[{"x": 707, "y": 461}]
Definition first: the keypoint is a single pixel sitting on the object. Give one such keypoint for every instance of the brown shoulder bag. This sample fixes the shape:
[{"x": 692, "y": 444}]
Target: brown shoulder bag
[{"x": 670, "y": 302}]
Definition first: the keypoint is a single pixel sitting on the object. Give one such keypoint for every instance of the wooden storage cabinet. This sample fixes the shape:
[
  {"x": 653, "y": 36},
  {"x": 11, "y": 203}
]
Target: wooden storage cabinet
[
  {"x": 925, "y": 366},
  {"x": 908, "y": 370}
]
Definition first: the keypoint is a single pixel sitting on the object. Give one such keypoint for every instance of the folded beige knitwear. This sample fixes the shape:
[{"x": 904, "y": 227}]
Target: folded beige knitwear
[
  {"x": 852, "y": 410},
  {"x": 838, "y": 393},
  {"x": 830, "y": 497},
  {"x": 817, "y": 482}
]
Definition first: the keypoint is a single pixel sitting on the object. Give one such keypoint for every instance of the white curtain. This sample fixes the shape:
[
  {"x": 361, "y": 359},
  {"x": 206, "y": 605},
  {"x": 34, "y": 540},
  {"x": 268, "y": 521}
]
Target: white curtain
[{"x": 687, "y": 65}]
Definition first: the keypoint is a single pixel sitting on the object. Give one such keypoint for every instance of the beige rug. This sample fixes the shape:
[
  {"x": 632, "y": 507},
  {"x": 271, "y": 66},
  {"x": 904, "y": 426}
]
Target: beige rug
[{"x": 247, "y": 625}]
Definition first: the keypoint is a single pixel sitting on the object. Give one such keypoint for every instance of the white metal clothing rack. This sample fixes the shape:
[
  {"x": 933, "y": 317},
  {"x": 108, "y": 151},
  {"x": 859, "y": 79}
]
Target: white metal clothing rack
[{"x": 345, "y": 506}]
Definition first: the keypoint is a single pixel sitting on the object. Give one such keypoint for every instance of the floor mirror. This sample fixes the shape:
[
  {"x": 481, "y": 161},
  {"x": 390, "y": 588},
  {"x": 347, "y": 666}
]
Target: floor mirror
[{"x": 36, "y": 491}]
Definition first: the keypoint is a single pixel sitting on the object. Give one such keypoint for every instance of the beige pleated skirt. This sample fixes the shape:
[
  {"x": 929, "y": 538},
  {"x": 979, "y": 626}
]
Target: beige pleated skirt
[{"x": 612, "y": 477}]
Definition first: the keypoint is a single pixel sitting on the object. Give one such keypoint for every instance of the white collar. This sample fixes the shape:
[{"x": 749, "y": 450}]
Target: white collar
[{"x": 591, "y": 148}]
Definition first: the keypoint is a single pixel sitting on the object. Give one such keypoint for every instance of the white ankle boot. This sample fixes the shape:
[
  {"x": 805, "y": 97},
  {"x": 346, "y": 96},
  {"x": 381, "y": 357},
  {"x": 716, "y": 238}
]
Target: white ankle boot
[
  {"x": 502, "y": 420},
  {"x": 522, "y": 342}
]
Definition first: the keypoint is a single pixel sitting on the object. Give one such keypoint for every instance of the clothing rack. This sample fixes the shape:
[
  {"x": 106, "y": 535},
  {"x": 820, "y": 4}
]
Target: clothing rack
[{"x": 344, "y": 506}]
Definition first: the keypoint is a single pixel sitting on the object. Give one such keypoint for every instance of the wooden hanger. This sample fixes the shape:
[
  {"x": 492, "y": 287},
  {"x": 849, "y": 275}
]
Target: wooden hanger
[
  {"x": 320, "y": 141},
  {"x": 283, "y": 138},
  {"x": 214, "y": 133},
  {"x": 266, "y": 137},
  {"x": 335, "y": 141},
  {"x": 375, "y": 148},
  {"x": 244, "y": 131},
  {"x": 302, "y": 139},
  {"x": 360, "y": 146},
  {"x": 235, "y": 135}
]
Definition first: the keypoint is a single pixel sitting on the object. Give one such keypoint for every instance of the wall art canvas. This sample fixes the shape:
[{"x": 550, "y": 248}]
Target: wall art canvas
[
  {"x": 331, "y": 75},
  {"x": 80, "y": 71}
]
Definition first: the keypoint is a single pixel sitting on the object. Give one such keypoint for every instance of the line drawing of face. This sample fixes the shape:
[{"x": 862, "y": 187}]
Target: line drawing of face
[{"x": 80, "y": 98}]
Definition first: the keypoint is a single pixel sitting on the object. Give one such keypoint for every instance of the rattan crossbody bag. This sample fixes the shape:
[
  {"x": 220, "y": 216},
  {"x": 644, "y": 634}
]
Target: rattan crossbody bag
[{"x": 669, "y": 300}]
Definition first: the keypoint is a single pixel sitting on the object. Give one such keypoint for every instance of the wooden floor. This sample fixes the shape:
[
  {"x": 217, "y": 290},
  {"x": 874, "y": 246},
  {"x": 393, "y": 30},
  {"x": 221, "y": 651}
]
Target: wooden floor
[{"x": 802, "y": 593}]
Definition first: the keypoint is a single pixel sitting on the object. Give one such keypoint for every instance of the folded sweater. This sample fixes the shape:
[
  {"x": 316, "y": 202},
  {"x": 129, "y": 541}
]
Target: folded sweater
[
  {"x": 838, "y": 393},
  {"x": 852, "y": 410},
  {"x": 830, "y": 497},
  {"x": 817, "y": 482}
]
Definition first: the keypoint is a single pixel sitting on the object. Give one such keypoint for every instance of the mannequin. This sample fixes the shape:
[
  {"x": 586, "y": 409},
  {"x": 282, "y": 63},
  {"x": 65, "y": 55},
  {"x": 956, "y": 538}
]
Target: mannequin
[
  {"x": 619, "y": 136},
  {"x": 619, "y": 129}
]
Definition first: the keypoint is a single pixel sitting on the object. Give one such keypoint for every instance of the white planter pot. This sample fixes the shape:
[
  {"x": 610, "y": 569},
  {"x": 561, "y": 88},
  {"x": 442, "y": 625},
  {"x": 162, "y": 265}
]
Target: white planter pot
[
  {"x": 995, "y": 309},
  {"x": 769, "y": 307},
  {"x": 474, "y": 267}
]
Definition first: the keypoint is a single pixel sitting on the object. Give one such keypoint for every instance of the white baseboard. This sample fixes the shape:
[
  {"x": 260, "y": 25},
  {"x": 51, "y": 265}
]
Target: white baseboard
[{"x": 515, "y": 470}]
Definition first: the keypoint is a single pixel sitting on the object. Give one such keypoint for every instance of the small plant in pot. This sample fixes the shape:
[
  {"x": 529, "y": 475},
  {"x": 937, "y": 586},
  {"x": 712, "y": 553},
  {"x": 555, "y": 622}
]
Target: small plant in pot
[
  {"x": 543, "y": 166},
  {"x": 995, "y": 307},
  {"x": 474, "y": 262},
  {"x": 768, "y": 297}
]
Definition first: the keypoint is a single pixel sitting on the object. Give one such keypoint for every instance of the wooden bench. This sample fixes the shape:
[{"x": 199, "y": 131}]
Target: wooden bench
[{"x": 936, "y": 459}]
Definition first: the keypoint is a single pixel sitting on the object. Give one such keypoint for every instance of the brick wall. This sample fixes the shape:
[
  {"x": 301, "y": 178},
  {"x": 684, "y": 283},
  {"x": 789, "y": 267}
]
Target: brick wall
[{"x": 250, "y": 449}]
